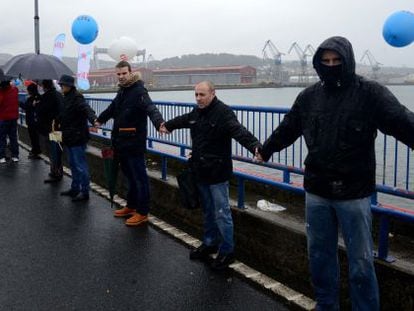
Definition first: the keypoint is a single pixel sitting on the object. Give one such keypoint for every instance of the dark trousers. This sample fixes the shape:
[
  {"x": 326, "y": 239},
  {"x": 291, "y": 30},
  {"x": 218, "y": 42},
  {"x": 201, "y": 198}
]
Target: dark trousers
[
  {"x": 55, "y": 156},
  {"x": 34, "y": 139},
  {"x": 8, "y": 128},
  {"x": 133, "y": 167}
]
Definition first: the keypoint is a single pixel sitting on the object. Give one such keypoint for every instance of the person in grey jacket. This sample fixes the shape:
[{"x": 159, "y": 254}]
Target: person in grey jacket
[
  {"x": 212, "y": 126},
  {"x": 339, "y": 117}
]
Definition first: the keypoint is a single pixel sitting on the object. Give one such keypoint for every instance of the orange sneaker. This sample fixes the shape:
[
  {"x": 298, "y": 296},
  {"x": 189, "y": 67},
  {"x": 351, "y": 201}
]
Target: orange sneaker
[
  {"x": 136, "y": 220},
  {"x": 124, "y": 212}
]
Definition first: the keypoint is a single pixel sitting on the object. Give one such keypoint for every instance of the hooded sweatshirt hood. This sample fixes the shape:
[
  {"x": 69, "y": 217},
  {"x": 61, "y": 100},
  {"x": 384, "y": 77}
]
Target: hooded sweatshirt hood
[{"x": 344, "y": 48}]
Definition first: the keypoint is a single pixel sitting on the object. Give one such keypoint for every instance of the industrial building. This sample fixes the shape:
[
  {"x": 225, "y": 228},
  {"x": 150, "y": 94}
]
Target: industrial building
[
  {"x": 106, "y": 78},
  {"x": 229, "y": 75}
]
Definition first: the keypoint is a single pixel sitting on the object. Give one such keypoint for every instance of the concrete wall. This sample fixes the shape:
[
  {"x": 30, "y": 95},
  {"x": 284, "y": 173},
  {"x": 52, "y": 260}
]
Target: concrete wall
[{"x": 273, "y": 244}]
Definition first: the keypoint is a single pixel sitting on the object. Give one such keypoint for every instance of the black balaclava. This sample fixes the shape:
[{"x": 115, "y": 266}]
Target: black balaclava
[{"x": 335, "y": 76}]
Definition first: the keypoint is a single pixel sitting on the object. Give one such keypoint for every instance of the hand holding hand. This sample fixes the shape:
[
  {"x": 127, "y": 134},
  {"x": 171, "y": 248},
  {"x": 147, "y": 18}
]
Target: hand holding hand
[
  {"x": 257, "y": 156},
  {"x": 163, "y": 129}
]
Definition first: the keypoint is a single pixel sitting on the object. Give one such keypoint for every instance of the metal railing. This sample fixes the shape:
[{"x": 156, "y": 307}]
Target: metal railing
[{"x": 395, "y": 171}]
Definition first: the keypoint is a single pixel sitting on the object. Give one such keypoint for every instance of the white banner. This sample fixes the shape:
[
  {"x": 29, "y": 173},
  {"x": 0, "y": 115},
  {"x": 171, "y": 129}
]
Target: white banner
[
  {"x": 59, "y": 45},
  {"x": 84, "y": 65}
]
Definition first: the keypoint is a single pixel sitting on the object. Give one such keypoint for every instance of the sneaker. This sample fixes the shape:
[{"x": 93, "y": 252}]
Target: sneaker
[
  {"x": 124, "y": 212},
  {"x": 223, "y": 261},
  {"x": 3, "y": 160},
  {"x": 70, "y": 193},
  {"x": 202, "y": 252},
  {"x": 136, "y": 220},
  {"x": 80, "y": 197},
  {"x": 15, "y": 159}
]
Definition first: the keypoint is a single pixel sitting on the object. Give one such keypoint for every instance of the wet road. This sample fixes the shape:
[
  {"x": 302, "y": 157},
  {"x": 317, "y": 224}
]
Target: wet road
[{"x": 59, "y": 255}]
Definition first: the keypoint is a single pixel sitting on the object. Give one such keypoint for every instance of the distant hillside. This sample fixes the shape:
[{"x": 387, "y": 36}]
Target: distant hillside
[{"x": 207, "y": 60}]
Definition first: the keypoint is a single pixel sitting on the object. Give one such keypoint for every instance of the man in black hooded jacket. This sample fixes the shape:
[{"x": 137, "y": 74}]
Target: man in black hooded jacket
[
  {"x": 339, "y": 118},
  {"x": 130, "y": 109}
]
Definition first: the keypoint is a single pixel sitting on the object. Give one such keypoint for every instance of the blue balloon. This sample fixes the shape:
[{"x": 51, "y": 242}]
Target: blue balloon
[
  {"x": 398, "y": 29},
  {"x": 84, "y": 29}
]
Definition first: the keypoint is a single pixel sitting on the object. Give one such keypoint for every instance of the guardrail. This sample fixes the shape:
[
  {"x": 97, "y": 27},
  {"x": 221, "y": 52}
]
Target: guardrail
[{"x": 394, "y": 160}]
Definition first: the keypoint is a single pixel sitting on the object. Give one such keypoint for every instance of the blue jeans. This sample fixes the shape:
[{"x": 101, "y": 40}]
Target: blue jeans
[
  {"x": 79, "y": 169},
  {"x": 218, "y": 222},
  {"x": 323, "y": 216},
  {"x": 8, "y": 128},
  {"x": 134, "y": 169}
]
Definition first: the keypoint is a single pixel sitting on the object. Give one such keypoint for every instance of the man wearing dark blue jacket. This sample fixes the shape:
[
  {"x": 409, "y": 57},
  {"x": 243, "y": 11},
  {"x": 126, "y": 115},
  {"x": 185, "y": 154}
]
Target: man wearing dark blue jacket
[
  {"x": 339, "y": 118},
  {"x": 130, "y": 109}
]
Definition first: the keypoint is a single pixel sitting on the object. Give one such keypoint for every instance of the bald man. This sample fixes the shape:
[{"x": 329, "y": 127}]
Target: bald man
[{"x": 212, "y": 125}]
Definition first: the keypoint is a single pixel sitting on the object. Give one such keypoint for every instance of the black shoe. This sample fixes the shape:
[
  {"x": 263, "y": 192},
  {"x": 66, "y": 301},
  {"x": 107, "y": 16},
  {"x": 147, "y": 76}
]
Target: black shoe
[
  {"x": 52, "y": 180},
  {"x": 70, "y": 193},
  {"x": 202, "y": 252},
  {"x": 223, "y": 261},
  {"x": 81, "y": 197},
  {"x": 34, "y": 156}
]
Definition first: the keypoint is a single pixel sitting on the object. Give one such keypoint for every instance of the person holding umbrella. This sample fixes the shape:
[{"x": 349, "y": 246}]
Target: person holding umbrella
[
  {"x": 73, "y": 122},
  {"x": 9, "y": 113},
  {"x": 130, "y": 109}
]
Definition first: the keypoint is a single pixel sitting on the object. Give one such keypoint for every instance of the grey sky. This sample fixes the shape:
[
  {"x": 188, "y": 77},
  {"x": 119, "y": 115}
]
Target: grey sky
[{"x": 168, "y": 28}]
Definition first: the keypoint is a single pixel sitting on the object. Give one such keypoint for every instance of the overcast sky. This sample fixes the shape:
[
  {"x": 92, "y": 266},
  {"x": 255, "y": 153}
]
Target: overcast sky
[{"x": 167, "y": 28}]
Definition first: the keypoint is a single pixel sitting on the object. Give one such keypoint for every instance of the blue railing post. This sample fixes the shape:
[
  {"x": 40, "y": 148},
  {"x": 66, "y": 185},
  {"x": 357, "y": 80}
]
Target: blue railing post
[
  {"x": 164, "y": 168},
  {"x": 374, "y": 198},
  {"x": 383, "y": 240},
  {"x": 182, "y": 151},
  {"x": 286, "y": 176},
  {"x": 240, "y": 192}
]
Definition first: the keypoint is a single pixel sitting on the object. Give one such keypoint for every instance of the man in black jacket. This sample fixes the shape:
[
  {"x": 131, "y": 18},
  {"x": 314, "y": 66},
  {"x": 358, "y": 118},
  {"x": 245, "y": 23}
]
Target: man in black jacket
[
  {"x": 130, "y": 109},
  {"x": 212, "y": 126},
  {"x": 47, "y": 110},
  {"x": 73, "y": 122},
  {"x": 339, "y": 118}
]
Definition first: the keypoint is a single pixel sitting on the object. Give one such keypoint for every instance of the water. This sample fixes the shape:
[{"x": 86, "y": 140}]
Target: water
[{"x": 269, "y": 97}]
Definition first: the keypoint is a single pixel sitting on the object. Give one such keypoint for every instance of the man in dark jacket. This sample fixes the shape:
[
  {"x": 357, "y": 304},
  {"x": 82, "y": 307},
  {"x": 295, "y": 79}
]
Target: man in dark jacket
[
  {"x": 130, "y": 109},
  {"x": 212, "y": 126},
  {"x": 339, "y": 117},
  {"x": 29, "y": 106},
  {"x": 73, "y": 122},
  {"x": 47, "y": 110}
]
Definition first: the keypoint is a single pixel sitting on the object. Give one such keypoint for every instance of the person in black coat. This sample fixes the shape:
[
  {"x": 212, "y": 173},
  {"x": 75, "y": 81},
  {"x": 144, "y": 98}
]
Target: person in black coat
[
  {"x": 47, "y": 110},
  {"x": 29, "y": 106},
  {"x": 130, "y": 109},
  {"x": 73, "y": 123},
  {"x": 212, "y": 126},
  {"x": 339, "y": 118}
]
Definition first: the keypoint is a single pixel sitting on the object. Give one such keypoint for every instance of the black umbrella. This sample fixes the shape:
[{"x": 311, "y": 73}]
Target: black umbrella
[
  {"x": 36, "y": 67},
  {"x": 3, "y": 77}
]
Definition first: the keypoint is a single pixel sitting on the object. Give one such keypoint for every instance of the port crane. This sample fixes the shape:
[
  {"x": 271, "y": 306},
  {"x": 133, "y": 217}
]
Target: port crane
[
  {"x": 375, "y": 66},
  {"x": 302, "y": 55},
  {"x": 272, "y": 55}
]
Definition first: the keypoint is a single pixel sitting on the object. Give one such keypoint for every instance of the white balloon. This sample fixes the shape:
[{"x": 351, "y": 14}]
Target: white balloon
[{"x": 123, "y": 48}]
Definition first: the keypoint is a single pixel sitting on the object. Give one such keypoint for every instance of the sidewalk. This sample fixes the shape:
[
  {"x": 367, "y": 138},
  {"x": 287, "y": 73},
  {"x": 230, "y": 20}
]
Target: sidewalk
[{"x": 59, "y": 255}]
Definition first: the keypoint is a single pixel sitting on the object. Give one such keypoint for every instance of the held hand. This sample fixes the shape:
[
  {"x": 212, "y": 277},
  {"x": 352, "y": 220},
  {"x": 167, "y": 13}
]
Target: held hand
[
  {"x": 163, "y": 129},
  {"x": 257, "y": 156}
]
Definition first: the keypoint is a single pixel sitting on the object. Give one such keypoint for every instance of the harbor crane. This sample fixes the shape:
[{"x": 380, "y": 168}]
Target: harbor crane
[
  {"x": 302, "y": 55},
  {"x": 272, "y": 55},
  {"x": 375, "y": 66}
]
